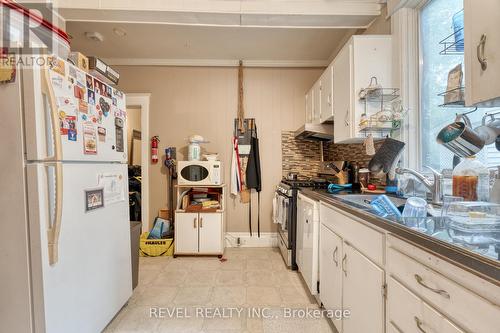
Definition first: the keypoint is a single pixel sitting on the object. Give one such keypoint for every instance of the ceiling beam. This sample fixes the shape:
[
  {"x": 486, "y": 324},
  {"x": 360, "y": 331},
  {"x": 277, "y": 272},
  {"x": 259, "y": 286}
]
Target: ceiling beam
[
  {"x": 215, "y": 63},
  {"x": 257, "y": 13}
]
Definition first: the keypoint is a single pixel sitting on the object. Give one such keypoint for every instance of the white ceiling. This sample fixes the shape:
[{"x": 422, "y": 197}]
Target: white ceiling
[
  {"x": 262, "y": 32},
  {"x": 163, "y": 43}
]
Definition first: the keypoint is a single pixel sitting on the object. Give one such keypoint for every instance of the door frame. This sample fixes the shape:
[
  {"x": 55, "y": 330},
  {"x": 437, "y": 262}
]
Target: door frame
[{"x": 142, "y": 100}]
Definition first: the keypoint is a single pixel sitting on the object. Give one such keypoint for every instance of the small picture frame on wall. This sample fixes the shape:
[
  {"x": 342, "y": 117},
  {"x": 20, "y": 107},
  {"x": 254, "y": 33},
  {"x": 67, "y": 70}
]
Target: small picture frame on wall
[{"x": 94, "y": 199}]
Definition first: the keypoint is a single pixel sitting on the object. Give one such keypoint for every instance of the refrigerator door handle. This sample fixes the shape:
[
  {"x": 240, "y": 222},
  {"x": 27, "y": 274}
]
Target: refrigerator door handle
[
  {"x": 56, "y": 197},
  {"x": 48, "y": 92}
]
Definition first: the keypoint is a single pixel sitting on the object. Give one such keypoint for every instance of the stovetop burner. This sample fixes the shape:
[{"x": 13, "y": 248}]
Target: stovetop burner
[{"x": 315, "y": 183}]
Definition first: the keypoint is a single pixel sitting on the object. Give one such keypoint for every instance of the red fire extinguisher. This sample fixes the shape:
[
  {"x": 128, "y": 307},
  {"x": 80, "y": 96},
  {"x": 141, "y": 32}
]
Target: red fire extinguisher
[{"x": 154, "y": 149}]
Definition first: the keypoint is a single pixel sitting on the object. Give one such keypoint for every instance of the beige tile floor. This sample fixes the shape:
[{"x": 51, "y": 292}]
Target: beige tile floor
[{"x": 251, "y": 279}]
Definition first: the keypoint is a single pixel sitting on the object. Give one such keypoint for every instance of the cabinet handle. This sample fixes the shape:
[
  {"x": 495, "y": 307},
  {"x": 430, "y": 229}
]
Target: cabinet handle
[
  {"x": 346, "y": 118},
  {"x": 419, "y": 324},
  {"x": 194, "y": 222},
  {"x": 343, "y": 264},
  {"x": 201, "y": 222},
  {"x": 335, "y": 256},
  {"x": 330, "y": 99},
  {"x": 441, "y": 292},
  {"x": 480, "y": 52}
]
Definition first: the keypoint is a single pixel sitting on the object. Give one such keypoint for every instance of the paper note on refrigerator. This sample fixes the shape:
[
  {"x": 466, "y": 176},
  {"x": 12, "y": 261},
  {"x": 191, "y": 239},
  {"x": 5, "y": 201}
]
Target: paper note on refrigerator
[{"x": 114, "y": 187}]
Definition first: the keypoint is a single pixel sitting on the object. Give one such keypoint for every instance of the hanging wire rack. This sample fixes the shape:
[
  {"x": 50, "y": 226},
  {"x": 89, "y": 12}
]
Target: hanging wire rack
[
  {"x": 451, "y": 46},
  {"x": 458, "y": 101}
]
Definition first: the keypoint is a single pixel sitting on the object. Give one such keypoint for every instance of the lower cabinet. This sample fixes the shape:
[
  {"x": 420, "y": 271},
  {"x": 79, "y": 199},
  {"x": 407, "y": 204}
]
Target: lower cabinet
[
  {"x": 406, "y": 312},
  {"x": 210, "y": 233},
  {"x": 363, "y": 292},
  {"x": 330, "y": 271},
  {"x": 186, "y": 233},
  {"x": 199, "y": 233},
  {"x": 349, "y": 280},
  {"x": 390, "y": 285}
]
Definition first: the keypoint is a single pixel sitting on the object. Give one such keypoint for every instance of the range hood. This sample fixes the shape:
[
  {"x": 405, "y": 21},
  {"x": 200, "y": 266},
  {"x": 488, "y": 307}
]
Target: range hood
[{"x": 315, "y": 132}]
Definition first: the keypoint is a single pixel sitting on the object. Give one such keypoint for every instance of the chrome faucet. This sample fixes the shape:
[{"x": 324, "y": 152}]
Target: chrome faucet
[{"x": 435, "y": 187}]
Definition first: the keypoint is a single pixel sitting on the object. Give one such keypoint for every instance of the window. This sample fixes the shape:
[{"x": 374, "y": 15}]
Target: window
[{"x": 436, "y": 23}]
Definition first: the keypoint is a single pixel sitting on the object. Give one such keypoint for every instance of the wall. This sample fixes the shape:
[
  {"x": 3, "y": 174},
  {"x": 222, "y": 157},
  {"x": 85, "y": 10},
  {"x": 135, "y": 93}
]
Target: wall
[
  {"x": 203, "y": 100},
  {"x": 133, "y": 123},
  {"x": 380, "y": 26}
]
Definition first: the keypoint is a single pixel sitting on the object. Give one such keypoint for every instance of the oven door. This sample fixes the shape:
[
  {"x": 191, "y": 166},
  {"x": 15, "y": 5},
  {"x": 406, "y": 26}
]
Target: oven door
[{"x": 284, "y": 217}]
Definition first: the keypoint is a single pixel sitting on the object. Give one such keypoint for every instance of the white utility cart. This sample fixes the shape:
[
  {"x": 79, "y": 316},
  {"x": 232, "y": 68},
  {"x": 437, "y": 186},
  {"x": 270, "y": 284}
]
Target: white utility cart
[{"x": 200, "y": 232}]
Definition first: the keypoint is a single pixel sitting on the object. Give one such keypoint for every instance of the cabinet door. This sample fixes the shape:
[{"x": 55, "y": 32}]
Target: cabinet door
[
  {"x": 327, "y": 95},
  {"x": 363, "y": 284},
  {"x": 309, "y": 106},
  {"x": 409, "y": 313},
  {"x": 186, "y": 233},
  {"x": 300, "y": 232},
  {"x": 308, "y": 240},
  {"x": 317, "y": 102},
  {"x": 210, "y": 233},
  {"x": 330, "y": 271},
  {"x": 481, "y": 18},
  {"x": 342, "y": 83}
]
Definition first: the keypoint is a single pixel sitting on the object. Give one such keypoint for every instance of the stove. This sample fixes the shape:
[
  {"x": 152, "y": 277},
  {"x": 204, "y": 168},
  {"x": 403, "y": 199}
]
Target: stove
[
  {"x": 285, "y": 213},
  {"x": 314, "y": 183}
]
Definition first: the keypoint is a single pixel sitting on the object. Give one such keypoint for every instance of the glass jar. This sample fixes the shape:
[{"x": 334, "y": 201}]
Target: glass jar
[{"x": 471, "y": 180}]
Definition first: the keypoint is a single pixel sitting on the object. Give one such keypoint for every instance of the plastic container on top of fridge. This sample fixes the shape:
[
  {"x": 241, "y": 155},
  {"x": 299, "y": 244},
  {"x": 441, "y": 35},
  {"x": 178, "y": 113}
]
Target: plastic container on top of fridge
[{"x": 42, "y": 33}]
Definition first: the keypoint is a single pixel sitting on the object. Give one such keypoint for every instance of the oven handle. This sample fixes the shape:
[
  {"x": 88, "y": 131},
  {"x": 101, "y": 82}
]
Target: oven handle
[{"x": 283, "y": 195}]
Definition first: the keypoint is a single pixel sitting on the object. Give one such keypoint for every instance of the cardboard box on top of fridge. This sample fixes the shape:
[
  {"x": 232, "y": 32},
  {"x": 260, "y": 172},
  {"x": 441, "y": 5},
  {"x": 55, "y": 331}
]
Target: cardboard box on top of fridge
[
  {"x": 102, "y": 71},
  {"x": 79, "y": 60}
]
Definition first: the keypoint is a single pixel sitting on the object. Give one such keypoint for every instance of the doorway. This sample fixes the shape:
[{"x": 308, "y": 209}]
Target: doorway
[
  {"x": 138, "y": 144},
  {"x": 134, "y": 144}
]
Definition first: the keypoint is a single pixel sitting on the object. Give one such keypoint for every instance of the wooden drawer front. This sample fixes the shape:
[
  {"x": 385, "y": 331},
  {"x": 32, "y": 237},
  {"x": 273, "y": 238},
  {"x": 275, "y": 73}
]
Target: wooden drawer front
[
  {"x": 408, "y": 313},
  {"x": 365, "y": 239},
  {"x": 467, "y": 309}
]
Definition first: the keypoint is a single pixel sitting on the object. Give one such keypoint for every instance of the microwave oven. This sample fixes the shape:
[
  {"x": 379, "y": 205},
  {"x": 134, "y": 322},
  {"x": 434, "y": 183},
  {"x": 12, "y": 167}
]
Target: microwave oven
[{"x": 199, "y": 173}]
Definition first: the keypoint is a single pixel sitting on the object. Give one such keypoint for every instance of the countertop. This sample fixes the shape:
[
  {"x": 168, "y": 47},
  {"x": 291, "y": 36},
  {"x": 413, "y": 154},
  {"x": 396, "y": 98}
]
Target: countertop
[{"x": 476, "y": 263}]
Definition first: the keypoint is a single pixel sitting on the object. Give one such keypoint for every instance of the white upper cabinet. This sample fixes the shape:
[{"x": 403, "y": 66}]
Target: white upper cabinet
[
  {"x": 316, "y": 110},
  {"x": 309, "y": 106},
  {"x": 482, "y": 52},
  {"x": 334, "y": 96},
  {"x": 363, "y": 57},
  {"x": 327, "y": 95},
  {"x": 342, "y": 78}
]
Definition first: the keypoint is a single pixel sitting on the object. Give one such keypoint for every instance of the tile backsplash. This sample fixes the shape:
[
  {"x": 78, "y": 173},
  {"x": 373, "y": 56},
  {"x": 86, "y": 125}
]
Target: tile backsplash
[
  {"x": 299, "y": 156},
  {"x": 353, "y": 152},
  {"x": 304, "y": 157}
]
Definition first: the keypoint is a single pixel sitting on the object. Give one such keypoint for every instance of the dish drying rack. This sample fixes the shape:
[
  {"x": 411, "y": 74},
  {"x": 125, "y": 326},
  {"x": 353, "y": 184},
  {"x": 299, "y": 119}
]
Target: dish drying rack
[
  {"x": 378, "y": 119},
  {"x": 379, "y": 128}
]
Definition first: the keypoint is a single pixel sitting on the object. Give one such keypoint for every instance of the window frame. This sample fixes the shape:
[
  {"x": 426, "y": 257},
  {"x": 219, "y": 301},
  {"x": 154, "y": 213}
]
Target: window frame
[{"x": 410, "y": 55}]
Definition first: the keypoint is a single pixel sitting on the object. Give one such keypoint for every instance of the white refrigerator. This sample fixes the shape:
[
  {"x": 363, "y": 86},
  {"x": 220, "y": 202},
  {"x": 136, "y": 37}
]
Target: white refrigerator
[{"x": 65, "y": 261}]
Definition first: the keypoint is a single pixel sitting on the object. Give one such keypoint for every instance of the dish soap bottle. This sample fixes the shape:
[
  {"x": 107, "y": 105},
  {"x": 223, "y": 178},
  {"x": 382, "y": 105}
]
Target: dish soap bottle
[{"x": 471, "y": 180}]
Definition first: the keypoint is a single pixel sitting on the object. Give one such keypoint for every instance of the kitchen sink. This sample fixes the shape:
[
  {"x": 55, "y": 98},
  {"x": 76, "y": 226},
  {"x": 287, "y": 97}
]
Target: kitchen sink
[{"x": 363, "y": 201}]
